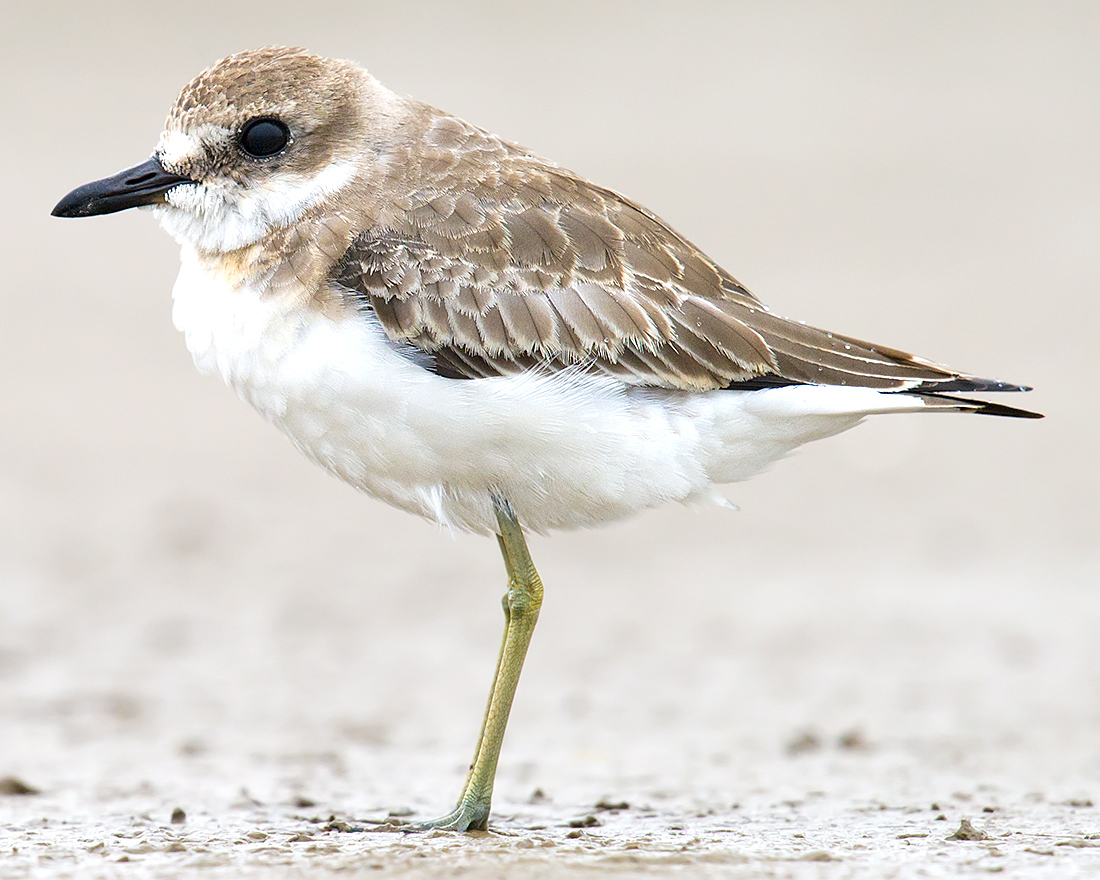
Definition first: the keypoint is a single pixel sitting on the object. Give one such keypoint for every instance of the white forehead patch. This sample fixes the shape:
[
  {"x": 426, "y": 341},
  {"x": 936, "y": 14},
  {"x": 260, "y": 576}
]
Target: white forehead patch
[
  {"x": 221, "y": 215},
  {"x": 176, "y": 149}
]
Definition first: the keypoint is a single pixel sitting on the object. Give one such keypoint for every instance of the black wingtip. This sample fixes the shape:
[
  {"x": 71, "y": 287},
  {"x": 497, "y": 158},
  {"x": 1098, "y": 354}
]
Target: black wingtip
[
  {"x": 967, "y": 384},
  {"x": 999, "y": 409},
  {"x": 983, "y": 408}
]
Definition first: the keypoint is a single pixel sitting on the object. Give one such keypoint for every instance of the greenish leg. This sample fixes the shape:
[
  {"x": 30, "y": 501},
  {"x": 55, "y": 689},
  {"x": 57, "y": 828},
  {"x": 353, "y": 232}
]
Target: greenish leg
[{"x": 521, "y": 612}]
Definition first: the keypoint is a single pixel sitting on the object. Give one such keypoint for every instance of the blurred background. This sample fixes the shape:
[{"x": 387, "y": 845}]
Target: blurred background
[{"x": 188, "y": 607}]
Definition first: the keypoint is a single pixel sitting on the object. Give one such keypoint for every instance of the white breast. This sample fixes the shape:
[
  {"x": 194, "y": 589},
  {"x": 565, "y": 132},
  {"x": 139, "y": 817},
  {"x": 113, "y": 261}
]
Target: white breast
[{"x": 566, "y": 449}]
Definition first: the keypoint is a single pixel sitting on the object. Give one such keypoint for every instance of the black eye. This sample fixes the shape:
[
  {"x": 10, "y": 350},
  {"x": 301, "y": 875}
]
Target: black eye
[{"x": 264, "y": 137}]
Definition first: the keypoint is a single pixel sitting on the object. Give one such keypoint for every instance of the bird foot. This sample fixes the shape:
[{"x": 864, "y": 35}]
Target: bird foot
[{"x": 467, "y": 816}]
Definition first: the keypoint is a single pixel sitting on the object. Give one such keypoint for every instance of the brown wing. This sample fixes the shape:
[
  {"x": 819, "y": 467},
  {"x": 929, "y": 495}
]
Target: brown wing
[{"x": 503, "y": 263}]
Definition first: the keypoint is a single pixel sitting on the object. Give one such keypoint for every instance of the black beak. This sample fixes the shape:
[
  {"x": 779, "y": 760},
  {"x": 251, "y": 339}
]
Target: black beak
[{"x": 144, "y": 184}]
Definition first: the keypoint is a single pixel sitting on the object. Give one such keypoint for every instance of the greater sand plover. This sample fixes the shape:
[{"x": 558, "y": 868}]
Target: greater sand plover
[{"x": 473, "y": 334}]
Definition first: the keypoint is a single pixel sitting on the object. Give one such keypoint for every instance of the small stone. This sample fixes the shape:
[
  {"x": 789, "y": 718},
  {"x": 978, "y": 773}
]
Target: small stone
[
  {"x": 537, "y": 796},
  {"x": 803, "y": 743},
  {"x": 303, "y": 802},
  {"x": 192, "y": 748},
  {"x": 585, "y": 822},
  {"x": 178, "y": 816},
  {"x": 966, "y": 831},
  {"x": 609, "y": 806},
  {"x": 818, "y": 856},
  {"x": 14, "y": 786}
]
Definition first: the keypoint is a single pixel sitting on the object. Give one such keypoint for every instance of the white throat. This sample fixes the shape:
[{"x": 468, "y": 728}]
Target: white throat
[{"x": 222, "y": 215}]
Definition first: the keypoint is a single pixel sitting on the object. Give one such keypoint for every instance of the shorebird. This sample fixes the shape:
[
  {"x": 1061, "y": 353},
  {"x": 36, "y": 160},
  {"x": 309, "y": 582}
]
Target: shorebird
[{"x": 470, "y": 332}]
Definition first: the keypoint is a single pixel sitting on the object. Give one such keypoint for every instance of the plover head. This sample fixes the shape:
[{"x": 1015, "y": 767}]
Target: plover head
[{"x": 251, "y": 145}]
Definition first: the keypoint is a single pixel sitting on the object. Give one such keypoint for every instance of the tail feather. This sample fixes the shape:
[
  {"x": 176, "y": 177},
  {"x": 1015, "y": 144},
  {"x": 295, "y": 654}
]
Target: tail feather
[
  {"x": 950, "y": 403},
  {"x": 931, "y": 394}
]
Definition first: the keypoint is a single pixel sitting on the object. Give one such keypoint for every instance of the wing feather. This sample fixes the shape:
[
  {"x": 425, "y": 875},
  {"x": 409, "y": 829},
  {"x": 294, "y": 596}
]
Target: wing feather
[
  {"x": 500, "y": 262},
  {"x": 579, "y": 317}
]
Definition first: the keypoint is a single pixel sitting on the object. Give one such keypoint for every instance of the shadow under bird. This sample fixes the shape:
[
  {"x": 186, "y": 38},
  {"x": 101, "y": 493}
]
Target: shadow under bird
[{"x": 473, "y": 334}]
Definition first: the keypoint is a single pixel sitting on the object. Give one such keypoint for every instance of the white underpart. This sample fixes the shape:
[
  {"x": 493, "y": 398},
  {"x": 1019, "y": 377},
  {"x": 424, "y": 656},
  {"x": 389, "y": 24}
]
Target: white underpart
[
  {"x": 221, "y": 215},
  {"x": 566, "y": 450}
]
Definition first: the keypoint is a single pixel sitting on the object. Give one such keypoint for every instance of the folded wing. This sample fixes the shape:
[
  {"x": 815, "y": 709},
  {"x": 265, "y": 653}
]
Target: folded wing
[{"x": 532, "y": 267}]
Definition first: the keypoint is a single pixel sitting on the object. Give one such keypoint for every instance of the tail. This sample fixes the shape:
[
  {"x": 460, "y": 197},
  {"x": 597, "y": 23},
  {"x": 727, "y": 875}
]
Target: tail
[
  {"x": 950, "y": 403},
  {"x": 947, "y": 403},
  {"x": 805, "y": 355},
  {"x": 934, "y": 396},
  {"x": 919, "y": 399}
]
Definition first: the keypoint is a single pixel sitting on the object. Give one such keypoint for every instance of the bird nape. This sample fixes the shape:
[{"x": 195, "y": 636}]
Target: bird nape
[{"x": 474, "y": 334}]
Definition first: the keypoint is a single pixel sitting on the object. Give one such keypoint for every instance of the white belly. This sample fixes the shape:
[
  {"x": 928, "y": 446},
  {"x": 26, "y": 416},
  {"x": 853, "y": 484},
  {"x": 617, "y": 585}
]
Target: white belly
[{"x": 565, "y": 449}]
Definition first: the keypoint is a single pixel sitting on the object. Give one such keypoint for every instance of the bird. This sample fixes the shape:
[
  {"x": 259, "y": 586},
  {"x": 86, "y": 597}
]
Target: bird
[{"x": 473, "y": 334}]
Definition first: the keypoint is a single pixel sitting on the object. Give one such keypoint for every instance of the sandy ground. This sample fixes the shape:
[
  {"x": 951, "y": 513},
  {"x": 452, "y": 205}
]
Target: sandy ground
[{"x": 898, "y": 632}]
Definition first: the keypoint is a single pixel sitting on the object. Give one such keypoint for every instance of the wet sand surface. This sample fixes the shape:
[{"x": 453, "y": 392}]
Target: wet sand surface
[
  {"x": 217, "y": 661},
  {"x": 847, "y": 729}
]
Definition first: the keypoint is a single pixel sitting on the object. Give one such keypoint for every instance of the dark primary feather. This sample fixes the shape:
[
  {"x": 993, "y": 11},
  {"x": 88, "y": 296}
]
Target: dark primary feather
[{"x": 500, "y": 263}]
